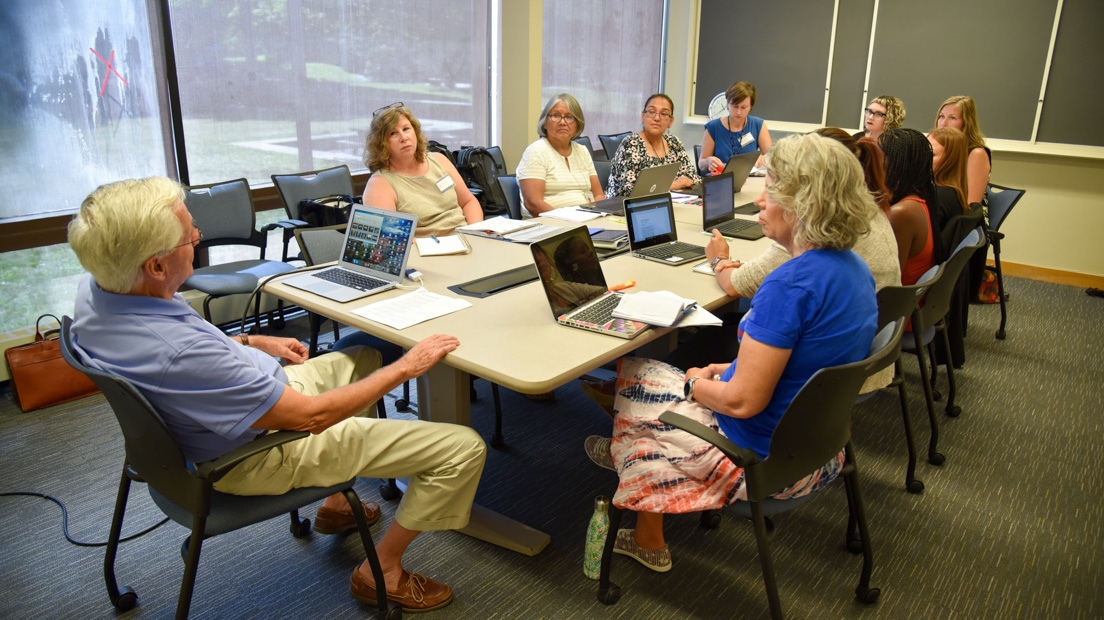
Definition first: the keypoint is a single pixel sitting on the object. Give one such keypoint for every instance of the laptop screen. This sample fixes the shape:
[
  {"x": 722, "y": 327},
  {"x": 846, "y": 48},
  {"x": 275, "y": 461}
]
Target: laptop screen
[
  {"x": 377, "y": 241},
  {"x": 651, "y": 220},
  {"x": 717, "y": 198},
  {"x": 569, "y": 270}
]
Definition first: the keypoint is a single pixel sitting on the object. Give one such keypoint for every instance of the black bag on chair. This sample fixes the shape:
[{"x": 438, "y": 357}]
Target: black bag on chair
[{"x": 326, "y": 211}]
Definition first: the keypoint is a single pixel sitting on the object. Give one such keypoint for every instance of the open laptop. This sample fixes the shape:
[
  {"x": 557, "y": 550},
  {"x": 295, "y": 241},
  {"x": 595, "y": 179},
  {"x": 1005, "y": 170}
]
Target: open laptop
[
  {"x": 717, "y": 201},
  {"x": 654, "y": 180},
  {"x": 377, "y": 245},
  {"x": 576, "y": 289},
  {"x": 652, "y": 234},
  {"x": 738, "y": 165}
]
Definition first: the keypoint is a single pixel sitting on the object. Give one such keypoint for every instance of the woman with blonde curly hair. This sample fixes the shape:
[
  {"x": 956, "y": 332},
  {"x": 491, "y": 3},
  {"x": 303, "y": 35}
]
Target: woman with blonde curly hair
[
  {"x": 815, "y": 311},
  {"x": 961, "y": 113},
  {"x": 884, "y": 113},
  {"x": 407, "y": 178}
]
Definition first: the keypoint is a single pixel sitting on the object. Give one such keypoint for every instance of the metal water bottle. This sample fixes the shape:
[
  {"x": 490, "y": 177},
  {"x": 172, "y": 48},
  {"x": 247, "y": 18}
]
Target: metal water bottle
[{"x": 596, "y": 538}]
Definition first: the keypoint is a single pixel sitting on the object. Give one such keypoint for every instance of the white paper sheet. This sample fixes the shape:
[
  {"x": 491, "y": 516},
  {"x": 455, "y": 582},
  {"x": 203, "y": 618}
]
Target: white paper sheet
[{"x": 410, "y": 309}]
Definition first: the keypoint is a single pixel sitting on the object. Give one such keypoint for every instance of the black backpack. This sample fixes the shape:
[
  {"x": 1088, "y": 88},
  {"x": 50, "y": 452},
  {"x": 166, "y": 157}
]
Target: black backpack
[
  {"x": 436, "y": 147},
  {"x": 480, "y": 169}
]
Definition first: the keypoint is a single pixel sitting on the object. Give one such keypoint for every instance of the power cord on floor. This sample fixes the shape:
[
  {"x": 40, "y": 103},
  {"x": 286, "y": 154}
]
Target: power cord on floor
[{"x": 65, "y": 520}]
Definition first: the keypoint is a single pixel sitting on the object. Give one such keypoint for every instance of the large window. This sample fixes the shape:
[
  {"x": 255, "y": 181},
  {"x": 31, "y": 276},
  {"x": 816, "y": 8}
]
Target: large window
[
  {"x": 272, "y": 87},
  {"x": 606, "y": 54}
]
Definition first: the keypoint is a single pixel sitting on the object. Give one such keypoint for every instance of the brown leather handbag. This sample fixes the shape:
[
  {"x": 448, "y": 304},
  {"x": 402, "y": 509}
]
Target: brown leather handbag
[{"x": 40, "y": 376}]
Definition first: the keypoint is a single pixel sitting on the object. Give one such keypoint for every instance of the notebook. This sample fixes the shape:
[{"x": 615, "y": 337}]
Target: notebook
[
  {"x": 739, "y": 165},
  {"x": 575, "y": 286},
  {"x": 377, "y": 245},
  {"x": 652, "y": 232},
  {"x": 654, "y": 180},
  {"x": 717, "y": 200}
]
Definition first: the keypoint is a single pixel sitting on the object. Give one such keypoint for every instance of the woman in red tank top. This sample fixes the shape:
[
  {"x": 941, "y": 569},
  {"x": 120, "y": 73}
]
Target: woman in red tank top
[{"x": 912, "y": 188}]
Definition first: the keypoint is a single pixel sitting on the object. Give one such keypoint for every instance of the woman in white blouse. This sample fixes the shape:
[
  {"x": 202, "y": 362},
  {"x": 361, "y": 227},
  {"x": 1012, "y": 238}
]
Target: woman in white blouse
[{"x": 554, "y": 171}]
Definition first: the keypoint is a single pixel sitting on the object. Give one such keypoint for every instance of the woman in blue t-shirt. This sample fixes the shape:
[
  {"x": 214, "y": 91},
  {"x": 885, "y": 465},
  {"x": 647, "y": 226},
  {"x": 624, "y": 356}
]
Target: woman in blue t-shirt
[
  {"x": 736, "y": 133},
  {"x": 815, "y": 311}
]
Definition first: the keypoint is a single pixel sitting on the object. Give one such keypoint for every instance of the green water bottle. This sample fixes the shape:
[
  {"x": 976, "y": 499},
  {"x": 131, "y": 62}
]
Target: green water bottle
[{"x": 596, "y": 538}]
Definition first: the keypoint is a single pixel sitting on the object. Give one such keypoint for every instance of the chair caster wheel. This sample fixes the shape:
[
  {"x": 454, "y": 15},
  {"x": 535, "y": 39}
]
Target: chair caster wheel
[
  {"x": 401, "y": 404},
  {"x": 954, "y": 411},
  {"x": 855, "y": 546},
  {"x": 1000, "y": 334},
  {"x": 394, "y": 613},
  {"x": 935, "y": 458},
  {"x": 302, "y": 529},
  {"x": 497, "y": 442},
  {"x": 388, "y": 492},
  {"x": 609, "y": 595},
  {"x": 937, "y": 395},
  {"x": 915, "y": 486},
  {"x": 184, "y": 549},
  {"x": 868, "y": 596},
  {"x": 126, "y": 600},
  {"x": 710, "y": 519}
]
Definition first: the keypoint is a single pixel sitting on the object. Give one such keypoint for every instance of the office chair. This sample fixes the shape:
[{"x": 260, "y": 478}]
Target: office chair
[
  {"x": 320, "y": 245},
  {"x": 294, "y": 188},
  {"x": 610, "y": 143},
  {"x": 585, "y": 141},
  {"x": 927, "y": 320},
  {"x": 510, "y": 190},
  {"x": 499, "y": 160},
  {"x": 188, "y": 497},
  {"x": 602, "y": 168},
  {"x": 814, "y": 429},
  {"x": 1001, "y": 201},
  {"x": 697, "y": 154},
  {"x": 224, "y": 212}
]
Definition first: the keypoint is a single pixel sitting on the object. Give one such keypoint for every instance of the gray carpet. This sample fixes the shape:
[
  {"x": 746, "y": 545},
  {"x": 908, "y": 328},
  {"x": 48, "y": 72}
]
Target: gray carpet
[{"x": 1003, "y": 529}]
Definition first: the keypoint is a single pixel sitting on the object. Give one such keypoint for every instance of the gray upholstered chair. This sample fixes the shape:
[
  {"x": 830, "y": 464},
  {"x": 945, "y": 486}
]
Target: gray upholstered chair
[
  {"x": 512, "y": 192},
  {"x": 585, "y": 141},
  {"x": 295, "y": 188},
  {"x": 611, "y": 142},
  {"x": 224, "y": 213},
  {"x": 602, "y": 169}
]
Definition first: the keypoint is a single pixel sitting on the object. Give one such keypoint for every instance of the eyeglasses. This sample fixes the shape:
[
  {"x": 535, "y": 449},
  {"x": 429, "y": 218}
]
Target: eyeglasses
[
  {"x": 193, "y": 242},
  {"x": 662, "y": 114},
  {"x": 396, "y": 105},
  {"x": 870, "y": 112},
  {"x": 566, "y": 118}
]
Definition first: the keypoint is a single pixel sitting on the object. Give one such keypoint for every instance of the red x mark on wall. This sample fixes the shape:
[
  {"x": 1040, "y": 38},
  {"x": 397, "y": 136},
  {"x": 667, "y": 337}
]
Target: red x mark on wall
[{"x": 110, "y": 70}]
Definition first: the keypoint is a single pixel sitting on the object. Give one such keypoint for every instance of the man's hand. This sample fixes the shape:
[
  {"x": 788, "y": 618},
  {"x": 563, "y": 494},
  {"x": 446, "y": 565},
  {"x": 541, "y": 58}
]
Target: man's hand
[
  {"x": 427, "y": 353},
  {"x": 290, "y": 349}
]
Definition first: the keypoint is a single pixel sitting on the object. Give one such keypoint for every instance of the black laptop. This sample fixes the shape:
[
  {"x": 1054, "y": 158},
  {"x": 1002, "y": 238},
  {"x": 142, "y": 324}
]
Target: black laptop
[
  {"x": 717, "y": 203},
  {"x": 652, "y": 234}
]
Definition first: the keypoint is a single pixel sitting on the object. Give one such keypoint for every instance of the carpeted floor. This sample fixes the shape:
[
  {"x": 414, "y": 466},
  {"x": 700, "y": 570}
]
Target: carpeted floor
[{"x": 1009, "y": 527}]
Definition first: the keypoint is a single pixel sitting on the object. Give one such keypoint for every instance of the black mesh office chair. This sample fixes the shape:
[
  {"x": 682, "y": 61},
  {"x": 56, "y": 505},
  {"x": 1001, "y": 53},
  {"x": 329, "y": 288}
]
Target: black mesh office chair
[
  {"x": 224, "y": 212},
  {"x": 294, "y": 188},
  {"x": 611, "y": 142},
  {"x": 814, "y": 429},
  {"x": 1001, "y": 201},
  {"x": 188, "y": 497}
]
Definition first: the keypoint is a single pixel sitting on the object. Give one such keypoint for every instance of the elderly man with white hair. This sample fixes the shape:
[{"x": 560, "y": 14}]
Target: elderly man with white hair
[{"x": 136, "y": 239}]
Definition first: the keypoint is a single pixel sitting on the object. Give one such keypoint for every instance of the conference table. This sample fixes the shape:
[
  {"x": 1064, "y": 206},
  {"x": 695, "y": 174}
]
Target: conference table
[{"x": 511, "y": 337}]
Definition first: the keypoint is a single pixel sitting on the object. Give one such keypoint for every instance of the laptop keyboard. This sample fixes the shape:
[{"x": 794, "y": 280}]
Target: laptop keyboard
[
  {"x": 669, "y": 250},
  {"x": 350, "y": 279},
  {"x": 734, "y": 226},
  {"x": 599, "y": 313}
]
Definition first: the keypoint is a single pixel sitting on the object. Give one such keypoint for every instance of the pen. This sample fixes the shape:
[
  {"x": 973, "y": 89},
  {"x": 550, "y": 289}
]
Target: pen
[
  {"x": 589, "y": 211},
  {"x": 435, "y": 239},
  {"x": 690, "y": 307}
]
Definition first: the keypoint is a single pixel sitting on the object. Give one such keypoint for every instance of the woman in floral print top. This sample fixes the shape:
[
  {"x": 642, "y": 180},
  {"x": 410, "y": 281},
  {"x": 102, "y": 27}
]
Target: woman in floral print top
[{"x": 651, "y": 147}]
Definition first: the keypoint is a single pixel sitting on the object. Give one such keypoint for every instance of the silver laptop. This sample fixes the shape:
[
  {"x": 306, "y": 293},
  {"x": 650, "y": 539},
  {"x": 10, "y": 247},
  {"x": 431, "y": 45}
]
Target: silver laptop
[
  {"x": 377, "y": 245},
  {"x": 652, "y": 232},
  {"x": 654, "y": 180},
  {"x": 575, "y": 286},
  {"x": 717, "y": 212},
  {"x": 739, "y": 166}
]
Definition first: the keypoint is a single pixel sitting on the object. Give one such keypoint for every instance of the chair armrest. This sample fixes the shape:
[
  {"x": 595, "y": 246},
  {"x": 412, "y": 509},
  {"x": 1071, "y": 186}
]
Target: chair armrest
[
  {"x": 284, "y": 224},
  {"x": 216, "y": 469},
  {"x": 741, "y": 457},
  {"x": 995, "y": 234}
]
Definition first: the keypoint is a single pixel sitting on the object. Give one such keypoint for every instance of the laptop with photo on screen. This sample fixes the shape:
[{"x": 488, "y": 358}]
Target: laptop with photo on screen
[
  {"x": 373, "y": 260},
  {"x": 739, "y": 166},
  {"x": 654, "y": 180},
  {"x": 575, "y": 286},
  {"x": 652, "y": 234},
  {"x": 717, "y": 213}
]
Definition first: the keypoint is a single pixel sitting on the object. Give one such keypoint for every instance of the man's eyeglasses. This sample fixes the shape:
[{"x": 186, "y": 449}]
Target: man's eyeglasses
[
  {"x": 193, "y": 242},
  {"x": 662, "y": 114},
  {"x": 870, "y": 112},
  {"x": 397, "y": 104},
  {"x": 566, "y": 118}
]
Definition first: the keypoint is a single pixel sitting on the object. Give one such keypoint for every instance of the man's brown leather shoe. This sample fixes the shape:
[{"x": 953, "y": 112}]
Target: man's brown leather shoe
[
  {"x": 334, "y": 521},
  {"x": 414, "y": 594}
]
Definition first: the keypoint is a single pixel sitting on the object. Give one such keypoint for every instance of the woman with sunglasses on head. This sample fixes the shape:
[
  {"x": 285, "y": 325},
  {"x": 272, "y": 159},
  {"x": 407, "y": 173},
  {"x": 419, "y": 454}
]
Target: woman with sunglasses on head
[
  {"x": 652, "y": 146},
  {"x": 737, "y": 133},
  {"x": 408, "y": 178},
  {"x": 884, "y": 113},
  {"x": 961, "y": 113},
  {"x": 554, "y": 171}
]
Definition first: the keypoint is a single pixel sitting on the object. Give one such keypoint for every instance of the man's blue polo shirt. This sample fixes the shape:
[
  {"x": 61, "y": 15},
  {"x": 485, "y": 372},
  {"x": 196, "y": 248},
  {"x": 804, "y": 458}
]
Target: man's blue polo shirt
[{"x": 208, "y": 388}]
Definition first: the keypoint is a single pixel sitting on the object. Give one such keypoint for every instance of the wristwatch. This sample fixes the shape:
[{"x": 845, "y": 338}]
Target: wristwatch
[
  {"x": 713, "y": 263},
  {"x": 688, "y": 388}
]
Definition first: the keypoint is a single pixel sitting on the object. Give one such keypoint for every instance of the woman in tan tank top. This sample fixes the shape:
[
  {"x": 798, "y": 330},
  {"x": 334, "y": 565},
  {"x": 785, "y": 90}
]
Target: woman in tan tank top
[{"x": 407, "y": 178}]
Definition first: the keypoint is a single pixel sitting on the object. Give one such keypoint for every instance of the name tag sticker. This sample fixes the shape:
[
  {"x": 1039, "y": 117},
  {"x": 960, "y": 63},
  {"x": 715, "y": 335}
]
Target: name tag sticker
[
  {"x": 746, "y": 139},
  {"x": 445, "y": 183}
]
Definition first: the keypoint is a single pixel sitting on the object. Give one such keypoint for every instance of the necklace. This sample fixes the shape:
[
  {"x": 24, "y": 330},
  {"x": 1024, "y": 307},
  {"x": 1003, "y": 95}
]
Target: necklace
[
  {"x": 740, "y": 133},
  {"x": 663, "y": 143}
]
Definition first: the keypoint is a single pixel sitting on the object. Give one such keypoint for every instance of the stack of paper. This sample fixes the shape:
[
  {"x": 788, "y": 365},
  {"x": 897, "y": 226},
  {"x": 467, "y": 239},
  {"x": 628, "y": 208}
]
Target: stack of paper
[
  {"x": 496, "y": 227},
  {"x": 663, "y": 309}
]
